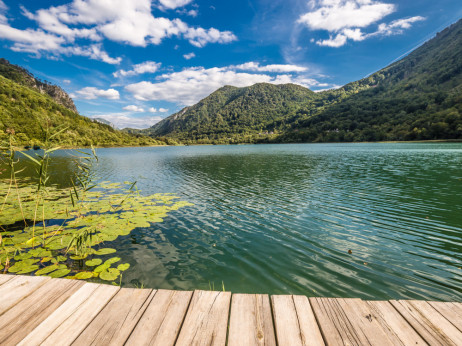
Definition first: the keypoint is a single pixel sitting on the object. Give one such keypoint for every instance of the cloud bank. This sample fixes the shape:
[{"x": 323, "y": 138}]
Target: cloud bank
[
  {"x": 347, "y": 20},
  {"x": 80, "y": 27}
]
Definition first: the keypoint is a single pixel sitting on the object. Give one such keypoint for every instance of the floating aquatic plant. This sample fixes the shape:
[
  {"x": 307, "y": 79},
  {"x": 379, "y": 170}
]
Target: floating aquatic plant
[{"x": 47, "y": 230}]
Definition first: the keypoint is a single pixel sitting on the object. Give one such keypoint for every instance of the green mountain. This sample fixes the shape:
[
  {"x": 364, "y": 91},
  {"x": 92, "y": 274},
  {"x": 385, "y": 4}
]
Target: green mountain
[
  {"x": 235, "y": 112},
  {"x": 29, "y": 107},
  {"x": 416, "y": 98}
]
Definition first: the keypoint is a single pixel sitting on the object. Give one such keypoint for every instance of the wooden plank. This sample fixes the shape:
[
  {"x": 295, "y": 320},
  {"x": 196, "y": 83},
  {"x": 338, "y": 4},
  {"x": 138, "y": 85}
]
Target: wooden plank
[
  {"x": 206, "y": 320},
  {"x": 450, "y": 311},
  {"x": 162, "y": 319},
  {"x": 431, "y": 326},
  {"x": 336, "y": 327},
  {"x": 308, "y": 325},
  {"x": 17, "y": 288},
  {"x": 251, "y": 322},
  {"x": 4, "y": 278},
  {"x": 116, "y": 321},
  {"x": 394, "y": 324},
  {"x": 22, "y": 318},
  {"x": 65, "y": 324},
  {"x": 362, "y": 318},
  {"x": 294, "y": 321}
]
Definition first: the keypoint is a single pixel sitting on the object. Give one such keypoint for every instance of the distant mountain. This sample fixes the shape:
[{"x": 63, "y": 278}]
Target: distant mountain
[
  {"x": 104, "y": 121},
  {"x": 416, "y": 98},
  {"x": 230, "y": 111},
  {"x": 29, "y": 107}
]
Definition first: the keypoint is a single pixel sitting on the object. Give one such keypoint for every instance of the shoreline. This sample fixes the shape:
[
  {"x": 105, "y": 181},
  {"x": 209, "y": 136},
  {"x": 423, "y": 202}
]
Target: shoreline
[{"x": 21, "y": 148}]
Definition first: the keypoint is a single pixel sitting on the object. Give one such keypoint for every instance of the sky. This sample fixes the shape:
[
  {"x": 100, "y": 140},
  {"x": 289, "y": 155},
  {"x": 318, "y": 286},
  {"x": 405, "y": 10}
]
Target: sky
[{"x": 135, "y": 62}]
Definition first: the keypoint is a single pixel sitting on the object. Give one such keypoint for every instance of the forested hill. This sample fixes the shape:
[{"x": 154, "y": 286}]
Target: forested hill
[
  {"x": 23, "y": 77},
  {"x": 416, "y": 98},
  {"x": 230, "y": 110},
  {"x": 29, "y": 107}
]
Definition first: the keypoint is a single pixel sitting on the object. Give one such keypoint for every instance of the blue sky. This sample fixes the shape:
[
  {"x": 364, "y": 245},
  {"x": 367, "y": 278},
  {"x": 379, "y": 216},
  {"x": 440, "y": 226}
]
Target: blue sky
[{"x": 134, "y": 62}]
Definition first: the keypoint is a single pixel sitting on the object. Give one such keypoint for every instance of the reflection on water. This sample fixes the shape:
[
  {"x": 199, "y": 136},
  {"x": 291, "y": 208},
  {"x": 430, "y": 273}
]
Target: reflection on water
[{"x": 281, "y": 218}]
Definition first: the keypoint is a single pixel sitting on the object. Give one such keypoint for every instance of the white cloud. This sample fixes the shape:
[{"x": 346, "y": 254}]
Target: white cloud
[
  {"x": 192, "y": 13},
  {"x": 66, "y": 81},
  {"x": 93, "y": 51},
  {"x": 191, "y": 85},
  {"x": 346, "y": 19},
  {"x": 397, "y": 26},
  {"x": 199, "y": 37},
  {"x": 340, "y": 39},
  {"x": 130, "y": 22},
  {"x": 91, "y": 93},
  {"x": 255, "y": 66},
  {"x": 124, "y": 120},
  {"x": 152, "y": 110},
  {"x": 3, "y": 9},
  {"x": 39, "y": 42},
  {"x": 145, "y": 67},
  {"x": 60, "y": 29},
  {"x": 334, "y": 15},
  {"x": 163, "y": 110},
  {"x": 172, "y": 4},
  {"x": 133, "y": 108},
  {"x": 189, "y": 56}
]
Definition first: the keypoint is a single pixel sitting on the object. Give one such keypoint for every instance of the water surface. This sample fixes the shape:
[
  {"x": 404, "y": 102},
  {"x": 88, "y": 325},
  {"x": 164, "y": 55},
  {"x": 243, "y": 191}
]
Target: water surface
[{"x": 281, "y": 219}]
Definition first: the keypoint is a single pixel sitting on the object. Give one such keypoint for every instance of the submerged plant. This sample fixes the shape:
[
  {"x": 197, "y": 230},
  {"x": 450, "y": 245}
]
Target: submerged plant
[{"x": 47, "y": 230}]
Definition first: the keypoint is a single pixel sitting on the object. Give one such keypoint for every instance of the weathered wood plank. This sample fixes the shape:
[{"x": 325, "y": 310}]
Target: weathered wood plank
[
  {"x": 4, "y": 278},
  {"x": 206, "y": 320},
  {"x": 116, "y": 321},
  {"x": 308, "y": 324},
  {"x": 17, "y": 288},
  {"x": 294, "y": 321},
  {"x": 394, "y": 324},
  {"x": 251, "y": 322},
  {"x": 22, "y": 318},
  {"x": 336, "y": 327},
  {"x": 161, "y": 322},
  {"x": 432, "y": 327},
  {"x": 362, "y": 318},
  {"x": 450, "y": 311},
  {"x": 65, "y": 324}
]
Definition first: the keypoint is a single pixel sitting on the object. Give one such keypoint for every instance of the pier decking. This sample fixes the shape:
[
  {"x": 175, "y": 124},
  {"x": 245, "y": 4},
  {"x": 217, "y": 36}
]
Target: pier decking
[{"x": 44, "y": 311}]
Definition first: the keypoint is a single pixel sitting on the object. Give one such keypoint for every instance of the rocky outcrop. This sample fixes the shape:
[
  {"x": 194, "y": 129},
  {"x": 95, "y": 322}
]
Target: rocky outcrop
[{"x": 24, "y": 77}]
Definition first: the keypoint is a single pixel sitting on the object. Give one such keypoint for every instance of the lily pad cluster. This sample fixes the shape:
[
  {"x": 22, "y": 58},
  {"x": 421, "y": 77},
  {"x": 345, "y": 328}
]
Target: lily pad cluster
[{"x": 70, "y": 240}]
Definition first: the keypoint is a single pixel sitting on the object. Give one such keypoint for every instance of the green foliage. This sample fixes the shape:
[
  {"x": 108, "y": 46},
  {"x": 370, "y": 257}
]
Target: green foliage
[
  {"x": 416, "y": 98},
  {"x": 232, "y": 112},
  {"x": 28, "y": 106},
  {"x": 46, "y": 230}
]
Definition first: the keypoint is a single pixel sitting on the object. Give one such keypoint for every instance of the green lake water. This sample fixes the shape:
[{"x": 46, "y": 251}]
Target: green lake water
[{"x": 281, "y": 219}]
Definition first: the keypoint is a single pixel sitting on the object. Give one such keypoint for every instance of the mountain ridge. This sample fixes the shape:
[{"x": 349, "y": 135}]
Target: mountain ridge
[
  {"x": 414, "y": 98},
  {"x": 30, "y": 108},
  {"x": 21, "y": 76}
]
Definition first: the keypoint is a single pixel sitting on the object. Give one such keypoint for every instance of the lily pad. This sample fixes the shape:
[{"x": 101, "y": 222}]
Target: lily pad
[
  {"x": 105, "y": 251},
  {"x": 112, "y": 260},
  {"x": 102, "y": 267},
  {"x": 110, "y": 274},
  {"x": 94, "y": 262},
  {"x": 28, "y": 269},
  {"x": 123, "y": 267},
  {"x": 84, "y": 275},
  {"x": 47, "y": 270},
  {"x": 59, "y": 273}
]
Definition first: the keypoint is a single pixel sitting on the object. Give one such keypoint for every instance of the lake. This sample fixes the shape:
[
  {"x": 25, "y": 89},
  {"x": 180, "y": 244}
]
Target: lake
[{"x": 373, "y": 221}]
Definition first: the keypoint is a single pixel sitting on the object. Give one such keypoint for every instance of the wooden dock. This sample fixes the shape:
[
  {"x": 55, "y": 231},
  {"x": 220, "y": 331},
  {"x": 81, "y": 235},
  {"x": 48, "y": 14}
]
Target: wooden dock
[{"x": 44, "y": 311}]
